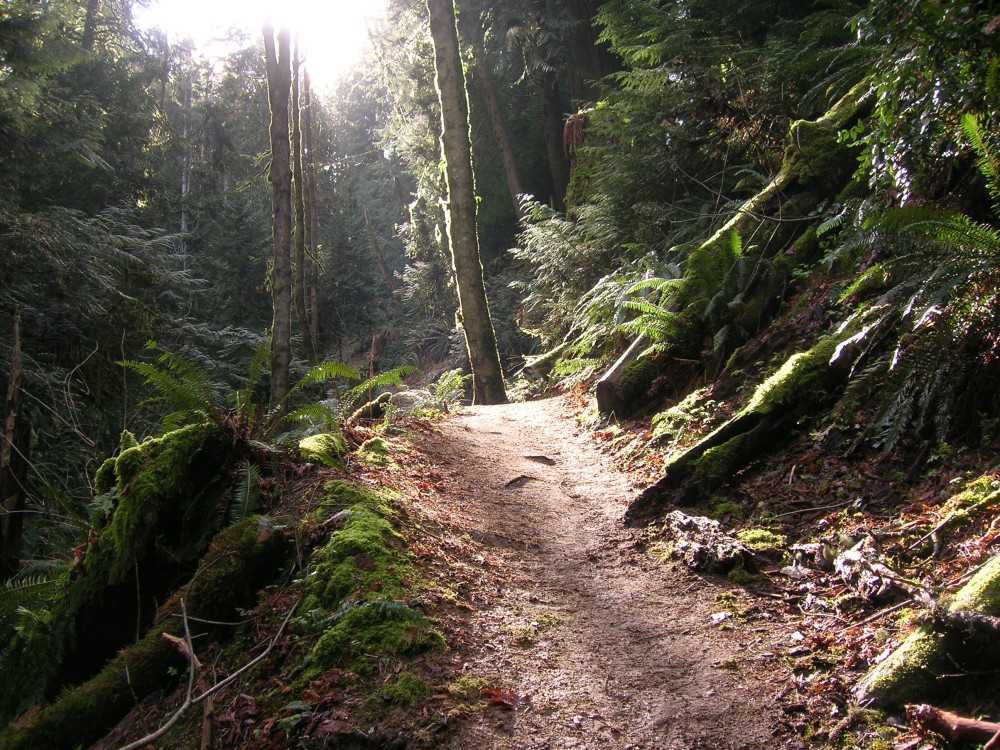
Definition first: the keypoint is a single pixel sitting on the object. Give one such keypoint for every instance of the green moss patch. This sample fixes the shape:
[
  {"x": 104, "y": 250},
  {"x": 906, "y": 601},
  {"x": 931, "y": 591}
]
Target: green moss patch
[
  {"x": 375, "y": 452},
  {"x": 358, "y": 583},
  {"x": 761, "y": 539},
  {"x": 328, "y": 449},
  {"x": 364, "y": 632}
]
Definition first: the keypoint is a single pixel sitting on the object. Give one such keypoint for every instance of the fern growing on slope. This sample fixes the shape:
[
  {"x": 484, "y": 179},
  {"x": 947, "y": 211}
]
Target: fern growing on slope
[{"x": 936, "y": 294}]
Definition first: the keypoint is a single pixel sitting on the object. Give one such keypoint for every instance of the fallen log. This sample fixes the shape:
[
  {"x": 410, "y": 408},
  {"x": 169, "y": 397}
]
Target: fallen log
[
  {"x": 805, "y": 379},
  {"x": 954, "y": 728},
  {"x": 948, "y": 643}
]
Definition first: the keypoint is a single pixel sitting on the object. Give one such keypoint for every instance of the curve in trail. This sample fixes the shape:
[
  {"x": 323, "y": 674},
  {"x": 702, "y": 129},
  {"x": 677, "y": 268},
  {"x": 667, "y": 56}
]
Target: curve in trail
[{"x": 604, "y": 647}]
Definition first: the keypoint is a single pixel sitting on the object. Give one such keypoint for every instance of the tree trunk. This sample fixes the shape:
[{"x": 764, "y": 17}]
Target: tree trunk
[
  {"x": 300, "y": 212},
  {"x": 279, "y": 83},
  {"x": 14, "y": 444},
  {"x": 456, "y": 149},
  {"x": 552, "y": 132},
  {"x": 379, "y": 256},
  {"x": 589, "y": 60},
  {"x": 492, "y": 99},
  {"x": 312, "y": 225},
  {"x": 90, "y": 24}
]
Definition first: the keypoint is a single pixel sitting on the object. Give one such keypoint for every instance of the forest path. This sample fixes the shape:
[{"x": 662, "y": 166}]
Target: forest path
[{"x": 602, "y": 646}]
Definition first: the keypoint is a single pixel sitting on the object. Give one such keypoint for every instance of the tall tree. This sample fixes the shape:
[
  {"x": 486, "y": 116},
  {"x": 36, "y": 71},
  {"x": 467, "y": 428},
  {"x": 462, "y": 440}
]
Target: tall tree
[
  {"x": 474, "y": 32},
  {"x": 312, "y": 217},
  {"x": 456, "y": 150},
  {"x": 301, "y": 230},
  {"x": 279, "y": 84}
]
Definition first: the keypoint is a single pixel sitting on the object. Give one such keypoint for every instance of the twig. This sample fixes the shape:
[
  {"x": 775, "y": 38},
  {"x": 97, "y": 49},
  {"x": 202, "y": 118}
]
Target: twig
[
  {"x": 882, "y": 613},
  {"x": 188, "y": 700},
  {"x": 811, "y": 510}
]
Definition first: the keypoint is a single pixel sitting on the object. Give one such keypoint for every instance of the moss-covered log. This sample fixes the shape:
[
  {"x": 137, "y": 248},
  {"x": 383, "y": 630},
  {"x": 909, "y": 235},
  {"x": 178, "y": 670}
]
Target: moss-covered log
[
  {"x": 237, "y": 564},
  {"x": 774, "y": 229},
  {"x": 165, "y": 495},
  {"x": 912, "y": 672},
  {"x": 803, "y": 381}
]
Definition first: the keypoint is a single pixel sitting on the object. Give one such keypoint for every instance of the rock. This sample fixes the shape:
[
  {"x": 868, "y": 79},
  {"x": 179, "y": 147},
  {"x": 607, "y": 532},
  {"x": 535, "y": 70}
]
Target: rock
[
  {"x": 702, "y": 544},
  {"x": 862, "y": 569}
]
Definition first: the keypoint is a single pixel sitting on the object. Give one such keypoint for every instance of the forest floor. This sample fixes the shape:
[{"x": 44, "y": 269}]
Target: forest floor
[{"x": 578, "y": 636}]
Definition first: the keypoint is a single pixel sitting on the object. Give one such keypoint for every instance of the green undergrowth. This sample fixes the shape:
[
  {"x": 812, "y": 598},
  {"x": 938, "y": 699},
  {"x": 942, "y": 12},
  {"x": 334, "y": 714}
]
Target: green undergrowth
[
  {"x": 163, "y": 496},
  {"x": 327, "y": 449},
  {"x": 358, "y": 585}
]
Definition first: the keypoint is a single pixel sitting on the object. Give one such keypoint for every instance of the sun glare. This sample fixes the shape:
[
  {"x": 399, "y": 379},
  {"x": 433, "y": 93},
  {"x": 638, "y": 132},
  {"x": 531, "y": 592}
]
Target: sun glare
[{"x": 332, "y": 33}]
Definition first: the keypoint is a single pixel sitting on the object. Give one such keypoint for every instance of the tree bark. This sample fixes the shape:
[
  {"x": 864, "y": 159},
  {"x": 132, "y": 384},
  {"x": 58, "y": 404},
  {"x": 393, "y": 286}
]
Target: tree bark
[
  {"x": 552, "y": 133},
  {"x": 14, "y": 443},
  {"x": 456, "y": 149},
  {"x": 312, "y": 225},
  {"x": 379, "y": 256},
  {"x": 589, "y": 61},
  {"x": 501, "y": 132},
  {"x": 90, "y": 24},
  {"x": 299, "y": 237},
  {"x": 279, "y": 83}
]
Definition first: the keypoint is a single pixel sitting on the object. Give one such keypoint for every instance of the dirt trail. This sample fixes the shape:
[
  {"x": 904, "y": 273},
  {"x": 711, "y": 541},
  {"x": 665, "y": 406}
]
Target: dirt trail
[{"x": 605, "y": 647}]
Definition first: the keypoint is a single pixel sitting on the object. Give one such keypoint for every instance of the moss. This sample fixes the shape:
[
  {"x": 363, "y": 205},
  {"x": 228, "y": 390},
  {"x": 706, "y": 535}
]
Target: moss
[
  {"x": 126, "y": 441},
  {"x": 166, "y": 514},
  {"x": 979, "y": 494},
  {"x": 468, "y": 688},
  {"x": 238, "y": 563},
  {"x": 157, "y": 478},
  {"x": 801, "y": 371},
  {"x": 761, "y": 539},
  {"x": 406, "y": 690},
  {"x": 636, "y": 380},
  {"x": 363, "y": 632},
  {"x": 105, "y": 479},
  {"x": 327, "y": 449},
  {"x": 741, "y": 576},
  {"x": 982, "y": 592},
  {"x": 903, "y": 676},
  {"x": 719, "y": 463},
  {"x": 814, "y": 156},
  {"x": 375, "y": 452},
  {"x": 366, "y": 555},
  {"x": 361, "y": 576}
]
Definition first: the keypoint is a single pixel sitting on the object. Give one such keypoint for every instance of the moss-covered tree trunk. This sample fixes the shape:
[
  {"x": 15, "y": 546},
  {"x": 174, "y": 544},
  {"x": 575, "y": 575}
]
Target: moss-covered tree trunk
[
  {"x": 239, "y": 562},
  {"x": 15, "y": 440},
  {"x": 778, "y": 221},
  {"x": 456, "y": 149},
  {"x": 279, "y": 84}
]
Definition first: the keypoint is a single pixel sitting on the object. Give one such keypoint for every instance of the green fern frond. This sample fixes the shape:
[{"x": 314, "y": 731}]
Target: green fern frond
[
  {"x": 181, "y": 385},
  {"x": 246, "y": 492},
  {"x": 986, "y": 157}
]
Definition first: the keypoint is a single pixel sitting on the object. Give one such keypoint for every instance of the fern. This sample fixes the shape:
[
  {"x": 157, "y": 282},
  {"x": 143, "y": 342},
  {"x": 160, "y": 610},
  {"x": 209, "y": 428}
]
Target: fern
[
  {"x": 185, "y": 389},
  {"x": 935, "y": 292},
  {"x": 246, "y": 492}
]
